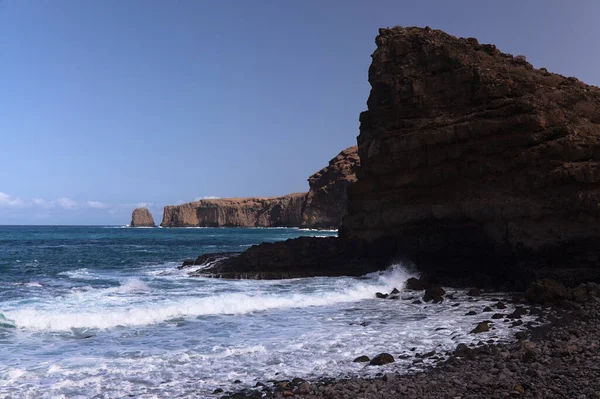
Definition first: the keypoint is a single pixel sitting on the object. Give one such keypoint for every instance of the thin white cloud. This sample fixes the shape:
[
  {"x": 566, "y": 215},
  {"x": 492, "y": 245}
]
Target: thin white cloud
[
  {"x": 143, "y": 204},
  {"x": 8, "y": 201},
  {"x": 96, "y": 204},
  {"x": 65, "y": 203},
  {"x": 206, "y": 197}
]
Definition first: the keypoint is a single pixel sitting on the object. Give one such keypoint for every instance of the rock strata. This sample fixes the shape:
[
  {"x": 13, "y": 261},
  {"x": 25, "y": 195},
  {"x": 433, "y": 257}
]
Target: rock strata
[
  {"x": 141, "y": 217},
  {"x": 472, "y": 160},
  {"x": 325, "y": 203},
  {"x": 282, "y": 211}
]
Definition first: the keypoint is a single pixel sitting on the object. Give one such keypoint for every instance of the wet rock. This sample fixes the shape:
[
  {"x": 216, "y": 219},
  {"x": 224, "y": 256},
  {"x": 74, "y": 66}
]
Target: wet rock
[
  {"x": 362, "y": 359},
  {"x": 462, "y": 350},
  {"x": 481, "y": 327},
  {"x": 381, "y": 359},
  {"x": 471, "y": 313},
  {"x": 487, "y": 309},
  {"x": 218, "y": 390},
  {"x": 500, "y": 305},
  {"x": 380, "y": 295},
  {"x": 394, "y": 291},
  {"x": 474, "y": 292},
  {"x": 518, "y": 313},
  {"x": 415, "y": 284},
  {"x": 417, "y": 302},
  {"x": 497, "y": 316},
  {"x": 435, "y": 294},
  {"x": 187, "y": 262},
  {"x": 546, "y": 291}
]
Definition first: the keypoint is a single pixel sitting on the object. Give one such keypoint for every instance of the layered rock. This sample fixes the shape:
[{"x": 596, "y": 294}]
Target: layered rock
[
  {"x": 237, "y": 212},
  {"x": 325, "y": 203},
  {"x": 472, "y": 160},
  {"x": 141, "y": 217}
]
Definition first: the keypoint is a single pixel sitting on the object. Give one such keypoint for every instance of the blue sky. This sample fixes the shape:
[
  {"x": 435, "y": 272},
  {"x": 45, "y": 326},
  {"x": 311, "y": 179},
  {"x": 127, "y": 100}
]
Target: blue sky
[{"x": 108, "y": 104}]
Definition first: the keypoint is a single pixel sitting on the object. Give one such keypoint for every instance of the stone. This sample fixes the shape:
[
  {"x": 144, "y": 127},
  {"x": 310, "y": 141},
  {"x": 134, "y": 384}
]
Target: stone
[
  {"x": 141, "y": 217},
  {"x": 415, "y": 284},
  {"x": 380, "y": 295},
  {"x": 481, "y": 327},
  {"x": 362, "y": 359},
  {"x": 434, "y": 294},
  {"x": 474, "y": 292},
  {"x": 382, "y": 359},
  {"x": 546, "y": 291},
  {"x": 325, "y": 204}
]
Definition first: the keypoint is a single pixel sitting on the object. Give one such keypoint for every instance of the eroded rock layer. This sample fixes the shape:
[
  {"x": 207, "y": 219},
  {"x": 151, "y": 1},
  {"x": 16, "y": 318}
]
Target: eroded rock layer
[
  {"x": 236, "y": 212},
  {"x": 471, "y": 159},
  {"x": 141, "y": 217},
  {"x": 325, "y": 203}
]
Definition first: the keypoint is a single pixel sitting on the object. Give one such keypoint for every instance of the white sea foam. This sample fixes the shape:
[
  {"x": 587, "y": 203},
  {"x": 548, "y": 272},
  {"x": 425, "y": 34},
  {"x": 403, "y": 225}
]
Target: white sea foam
[{"x": 61, "y": 316}]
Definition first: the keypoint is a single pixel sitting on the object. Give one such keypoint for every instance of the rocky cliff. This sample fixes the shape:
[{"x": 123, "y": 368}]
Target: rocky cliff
[
  {"x": 237, "y": 212},
  {"x": 141, "y": 217},
  {"x": 325, "y": 203},
  {"x": 472, "y": 160},
  {"x": 473, "y": 163}
]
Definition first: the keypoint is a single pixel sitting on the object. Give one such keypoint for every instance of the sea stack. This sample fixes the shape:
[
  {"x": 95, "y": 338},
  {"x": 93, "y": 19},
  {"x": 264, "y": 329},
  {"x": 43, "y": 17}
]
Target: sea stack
[
  {"x": 325, "y": 203},
  {"x": 473, "y": 161},
  {"x": 141, "y": 217}
]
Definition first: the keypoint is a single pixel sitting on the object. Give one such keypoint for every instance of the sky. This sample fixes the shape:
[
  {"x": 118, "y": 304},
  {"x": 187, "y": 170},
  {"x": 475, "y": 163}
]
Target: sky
[{"x": 108, "y": 105}]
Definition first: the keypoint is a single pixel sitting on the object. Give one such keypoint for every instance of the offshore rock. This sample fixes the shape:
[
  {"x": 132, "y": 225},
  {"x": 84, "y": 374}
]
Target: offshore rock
[
  {"x": 141, "y": 217},
  {"x": 325, "y": 203},
  {"x": 473, "y": 162},
  {"x": 282, "y": 211}
]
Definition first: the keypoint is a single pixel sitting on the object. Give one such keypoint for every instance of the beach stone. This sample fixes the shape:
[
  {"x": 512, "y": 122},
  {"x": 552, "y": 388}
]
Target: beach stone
[
  {"x": 471, "y": 313},
  {"x": 380, "y": 295},
  {"x": 497, "y": 316},
  {"x": 434, "y": 294},
  {"x": 474, "y": 292},
  {"x": 481, "y": 327},
  {"x": 381, "y": 359},
  {"x": 394, "y": 291},
  {"x": 546, "y": 291},
  {"x": 362, "y": 359}
]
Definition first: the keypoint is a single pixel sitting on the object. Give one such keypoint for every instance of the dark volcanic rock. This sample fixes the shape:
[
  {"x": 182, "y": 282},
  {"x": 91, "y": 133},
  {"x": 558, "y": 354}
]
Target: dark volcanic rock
[
  {"x": 208, "y": 259},
  {"x": 141, "y": 217},
  {"x": 362, "y": 359},
  {"x": 546, "y": 291},
  {"x": 300, "y": 257},
  {"x": 325, "y": 203},
  {"x": 473, "y": 161},
  {"x": 381, "y": 359}
]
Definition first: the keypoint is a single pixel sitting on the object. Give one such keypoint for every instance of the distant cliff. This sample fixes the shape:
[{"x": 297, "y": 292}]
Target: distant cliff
[
  {"x": 237, "y": 212},
  {"x": 325, "y": 203},
  {"x": 141, "y": 217}
]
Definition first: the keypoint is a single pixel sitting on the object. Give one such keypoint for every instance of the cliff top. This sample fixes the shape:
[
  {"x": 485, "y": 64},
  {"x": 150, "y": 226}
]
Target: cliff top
[{"x": 238, "y": 201}]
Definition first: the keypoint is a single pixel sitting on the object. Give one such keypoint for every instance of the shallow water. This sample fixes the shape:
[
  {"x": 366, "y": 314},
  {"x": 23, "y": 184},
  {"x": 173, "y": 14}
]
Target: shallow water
[{"x": 103, "y": 312}]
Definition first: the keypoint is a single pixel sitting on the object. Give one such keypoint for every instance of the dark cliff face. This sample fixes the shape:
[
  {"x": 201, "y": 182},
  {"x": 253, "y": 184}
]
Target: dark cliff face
[
  {"x": 472, "y": 159},
  {"x": 325, "y": 203},
  {"x": 237, "y": 212},
  {"x": 141, "y": 217}
]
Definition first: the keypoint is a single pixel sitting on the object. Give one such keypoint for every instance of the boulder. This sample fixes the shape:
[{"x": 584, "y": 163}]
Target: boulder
[
  {"x": 546, "y": 291},
  {"x": 435, "y": 294},
  {"x": 362, "y": 359},
  {"x": 381, "y": 359},
  {"x": 484, "y": 326}
]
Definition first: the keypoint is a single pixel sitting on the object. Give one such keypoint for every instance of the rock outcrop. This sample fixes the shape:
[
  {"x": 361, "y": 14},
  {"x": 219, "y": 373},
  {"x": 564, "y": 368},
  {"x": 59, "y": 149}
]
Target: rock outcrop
[
  {"x": 325, "y": 203},
  {"x": 472, "y": 160},
  {"x": 141, "y": 217},
  {"x": 237, "y": 212},
  {"x": 473, "y": 163}
]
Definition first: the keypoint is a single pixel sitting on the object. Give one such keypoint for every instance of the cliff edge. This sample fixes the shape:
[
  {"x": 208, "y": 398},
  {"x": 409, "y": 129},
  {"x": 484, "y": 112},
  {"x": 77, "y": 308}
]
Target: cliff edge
[
  {"x": 325, "y": 203},
  {"x": 282, "y": 211},
  {"x": 473, "y": 160}
]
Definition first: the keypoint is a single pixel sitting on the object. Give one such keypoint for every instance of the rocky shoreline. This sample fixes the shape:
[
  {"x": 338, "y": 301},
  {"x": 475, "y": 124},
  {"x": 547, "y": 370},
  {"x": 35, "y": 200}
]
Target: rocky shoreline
[{"x": 559, "y": 359}]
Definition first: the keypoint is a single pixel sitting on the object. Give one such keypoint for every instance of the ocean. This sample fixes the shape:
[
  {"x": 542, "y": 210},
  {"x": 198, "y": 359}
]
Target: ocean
[{"x": 103, "y": 312}]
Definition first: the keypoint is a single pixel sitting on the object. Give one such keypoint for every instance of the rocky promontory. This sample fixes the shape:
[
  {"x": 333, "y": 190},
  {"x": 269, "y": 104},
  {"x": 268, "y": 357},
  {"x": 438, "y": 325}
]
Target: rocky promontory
[
  {"x": 282, "y": 211},
  {"x": 474, "y": 161},
  {"x": 473, "y": 164},
  {"x": 325, "y": 203},
  {"x": 141, "y": 217}
]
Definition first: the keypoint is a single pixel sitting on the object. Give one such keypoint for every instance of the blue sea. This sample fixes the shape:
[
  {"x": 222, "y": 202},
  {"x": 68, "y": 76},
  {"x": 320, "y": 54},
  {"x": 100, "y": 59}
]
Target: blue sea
[{"x": 103, "y": 312}]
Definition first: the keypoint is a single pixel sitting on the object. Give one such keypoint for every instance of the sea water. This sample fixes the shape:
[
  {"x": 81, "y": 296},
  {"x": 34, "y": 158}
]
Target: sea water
[{"x": 103, "y": 312}]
